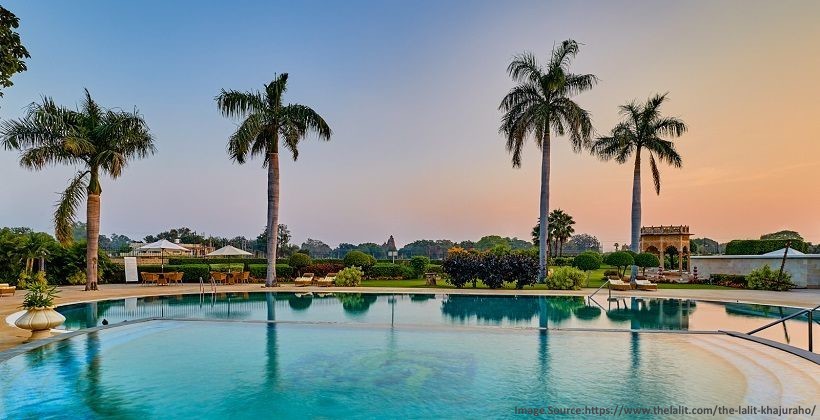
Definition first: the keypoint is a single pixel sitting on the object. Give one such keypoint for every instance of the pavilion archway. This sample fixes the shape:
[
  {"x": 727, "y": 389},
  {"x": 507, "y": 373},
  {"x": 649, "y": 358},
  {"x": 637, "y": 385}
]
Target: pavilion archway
[{"x": 659, "y": 239}]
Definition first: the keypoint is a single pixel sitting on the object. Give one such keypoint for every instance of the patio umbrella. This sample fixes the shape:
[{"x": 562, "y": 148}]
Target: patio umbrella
[
  {"x": 227, "y": 251},
  {"x": 162, "y": 245}
]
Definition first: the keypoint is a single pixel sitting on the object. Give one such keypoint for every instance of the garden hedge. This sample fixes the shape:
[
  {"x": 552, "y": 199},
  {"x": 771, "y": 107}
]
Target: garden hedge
[
  {"x": 388, "y": 270},
  {"x": 762, "y": 246},
  {"x": 190, "y": 272},
  {"x": 260, "y": 271}
]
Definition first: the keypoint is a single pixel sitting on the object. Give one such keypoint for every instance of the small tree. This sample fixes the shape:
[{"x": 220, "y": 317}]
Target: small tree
[
  {"x": 620, "y": 259},
  {"x": 764, "y": 278},
  {"x": 646, "y": 259},
  {"x": 299, "y": 261},
  {"x": 419, "y": 264},
  {"x": 359, "y": 259},
  {"x": 587, "y": 261}
]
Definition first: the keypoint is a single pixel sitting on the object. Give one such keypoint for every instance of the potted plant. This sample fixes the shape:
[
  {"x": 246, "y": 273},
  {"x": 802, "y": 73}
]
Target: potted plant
[{"x": 40, "y": 316}]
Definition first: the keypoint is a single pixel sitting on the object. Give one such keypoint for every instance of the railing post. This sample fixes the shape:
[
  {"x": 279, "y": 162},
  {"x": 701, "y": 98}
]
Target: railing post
[{"x": 811, "y": 321}]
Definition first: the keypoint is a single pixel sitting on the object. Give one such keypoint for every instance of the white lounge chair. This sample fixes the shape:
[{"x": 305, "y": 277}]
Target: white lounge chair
[
  {"x": 646, "y": 285},
  {"x": 305, "y": 280},
  {"x": 327, "y": 280},
  {"x": 618, "y": 284}
]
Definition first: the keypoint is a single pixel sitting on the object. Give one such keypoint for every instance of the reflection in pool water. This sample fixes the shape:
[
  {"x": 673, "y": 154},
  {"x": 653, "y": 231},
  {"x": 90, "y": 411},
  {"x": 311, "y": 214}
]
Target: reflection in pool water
[{"x": 441, "y": 310}]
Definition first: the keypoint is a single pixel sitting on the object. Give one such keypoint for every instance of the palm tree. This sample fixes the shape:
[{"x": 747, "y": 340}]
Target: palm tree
[
  {"x": 644, "y": 128},
  {"x": 559, "y": 231},
  {"x": 563, "y": 228},
  {"x": 266, "y": 120},
  {"x": 539, "y": 105},
  {"x": 100, "y": 141}
]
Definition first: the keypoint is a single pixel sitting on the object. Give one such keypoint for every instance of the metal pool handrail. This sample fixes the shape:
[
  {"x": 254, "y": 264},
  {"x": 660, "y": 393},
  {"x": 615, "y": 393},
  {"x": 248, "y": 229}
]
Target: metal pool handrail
[
  {"x": 599, "y": 289},
  {"x": 786, "y": 318}
]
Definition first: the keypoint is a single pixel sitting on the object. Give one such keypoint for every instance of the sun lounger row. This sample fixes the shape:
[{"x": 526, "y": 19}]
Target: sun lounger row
[
  {"x": 308, "y": 279},
  {"x": 5, "y": 289},
  {"x": 618, "y": 284}
]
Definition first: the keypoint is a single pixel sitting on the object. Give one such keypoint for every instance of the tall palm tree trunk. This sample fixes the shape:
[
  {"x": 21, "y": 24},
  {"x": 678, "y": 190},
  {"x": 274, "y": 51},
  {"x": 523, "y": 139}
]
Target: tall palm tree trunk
[
  {"x": 636, "y": 212},
  {"x": 92, "y": 239},
  {"x": 273, "y": 216},
  {"x": 543, "y": 264}
]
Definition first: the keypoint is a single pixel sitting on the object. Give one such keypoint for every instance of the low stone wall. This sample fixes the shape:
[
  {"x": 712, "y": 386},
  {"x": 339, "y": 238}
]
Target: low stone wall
[{"x": 804, "y": 269}]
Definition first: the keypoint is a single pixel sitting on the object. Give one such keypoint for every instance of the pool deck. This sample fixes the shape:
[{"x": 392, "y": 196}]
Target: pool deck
[{"x": 11, "y": 336}]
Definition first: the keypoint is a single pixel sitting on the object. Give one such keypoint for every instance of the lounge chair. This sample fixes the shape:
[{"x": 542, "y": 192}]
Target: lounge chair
[
  {"x": 6, "y": 289},
  {"x": 327, "y": 280},
  {"x": 244, "y": 277},
  {"x": 646, "y": 285},
  {"x": 618, "y": 284},
  {"x": 305, "y": 280}
]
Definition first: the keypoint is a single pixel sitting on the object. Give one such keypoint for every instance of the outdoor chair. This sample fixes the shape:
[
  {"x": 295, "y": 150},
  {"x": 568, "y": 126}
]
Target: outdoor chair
[
  {"x": 6, "y": 289},
  {"x": 244, "y": 277},
  {"x": 218, "y": 277},
  {"x": 162, "y": 279},
  {"x": 175, "y": 277},
  {"x": 230, "y": 278},
  {"x": 646, "y": 285},
  {"x": 618, "y": 284},
  {"x": 149, "y": 278},
  {"x": 327, "y": 280},
  {"x": 305, "y": 280}
]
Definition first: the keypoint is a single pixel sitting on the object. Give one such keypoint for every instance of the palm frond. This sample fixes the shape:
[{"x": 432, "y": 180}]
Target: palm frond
[
  {"x": 524, "y": 68},
  {"x": 656, "y": 174},
  {"x": 562, "y": 55},
  {"x": 275, "y": 90},
  {"x": 241, "y": 141},
  {"x": 235, "y": 104},
  {"x": 66, "y": 211}
]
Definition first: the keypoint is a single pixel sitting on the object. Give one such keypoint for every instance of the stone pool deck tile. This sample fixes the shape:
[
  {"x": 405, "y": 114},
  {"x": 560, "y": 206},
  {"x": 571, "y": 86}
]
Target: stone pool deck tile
[{"x": 11, "y": 336}]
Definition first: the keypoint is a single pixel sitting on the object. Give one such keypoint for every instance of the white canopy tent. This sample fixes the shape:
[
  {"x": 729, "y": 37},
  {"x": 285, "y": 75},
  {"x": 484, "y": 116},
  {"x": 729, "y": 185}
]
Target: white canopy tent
[
  {"x": 162, "y": 245},
  {"x": 228, "y": 251},
  {"x": 781, "y": 251}
]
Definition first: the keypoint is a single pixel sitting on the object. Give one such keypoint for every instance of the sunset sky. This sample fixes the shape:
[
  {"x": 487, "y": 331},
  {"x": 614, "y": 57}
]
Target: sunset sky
[{"x": 411, "y": 91}]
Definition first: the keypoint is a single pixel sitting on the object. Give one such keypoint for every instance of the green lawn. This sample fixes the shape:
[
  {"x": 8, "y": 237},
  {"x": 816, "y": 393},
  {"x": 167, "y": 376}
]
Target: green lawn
[{"x": 595, "y": 281}]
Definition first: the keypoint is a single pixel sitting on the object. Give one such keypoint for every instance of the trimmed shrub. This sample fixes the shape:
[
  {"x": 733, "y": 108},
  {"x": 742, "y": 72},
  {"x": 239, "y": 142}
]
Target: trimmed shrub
[
  {"x": 322, "y": 269},
  {"x": 434, "y": 268},
  {"x": 588, "y": 260},
  {"x": 729, "y": 280},
  {"x": 566, "y": 278},
  {"x": 299, "y": 261},
  {"x": 560, "y": 261},
  {"x": 392, "y": 271},
  {"x": 359, "y": 259},
  {"x": 762, "y": 246},
  {"x": 349, "y": 277},
  {"x": 419, "y": 265},
  {"x": 611, "y": 273},
  {"x": 764, "y": 278},
  {"x": 216, "y": 260},
  {"x": 226, "y": 267},
  {"x": 620, "y": 259},
  {"x": 646, "y": 260},
  {"x": 260, "y": 271},
  {"x": 522, "y": 268}
]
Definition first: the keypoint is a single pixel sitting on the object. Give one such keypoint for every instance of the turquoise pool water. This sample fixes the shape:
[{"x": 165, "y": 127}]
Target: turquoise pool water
[
  {"x": 367, "y": 356},
  {"x": 196, "y": 369},
  {"x": 452, "y": 310}
]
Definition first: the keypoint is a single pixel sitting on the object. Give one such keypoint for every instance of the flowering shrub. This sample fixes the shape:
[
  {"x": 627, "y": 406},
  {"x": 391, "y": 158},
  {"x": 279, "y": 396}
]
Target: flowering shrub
[
  {"x": 566, "y": 278},
  {"x": 350, "y": 277},
  {"x": 764, "y": 278}
]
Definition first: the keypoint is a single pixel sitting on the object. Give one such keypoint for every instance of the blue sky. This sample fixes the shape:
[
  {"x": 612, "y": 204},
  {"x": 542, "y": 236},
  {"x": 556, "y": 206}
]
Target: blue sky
[{"x": 411, "y": 91}]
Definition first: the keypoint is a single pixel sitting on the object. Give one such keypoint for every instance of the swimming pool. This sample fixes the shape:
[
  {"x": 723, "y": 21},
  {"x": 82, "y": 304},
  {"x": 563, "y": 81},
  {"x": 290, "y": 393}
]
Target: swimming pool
[{"x": 393, "y": 356}]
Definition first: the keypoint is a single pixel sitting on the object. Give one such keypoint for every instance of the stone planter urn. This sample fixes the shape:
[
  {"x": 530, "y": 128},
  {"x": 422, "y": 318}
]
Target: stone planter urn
[{"x": 40, "y": 321}]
